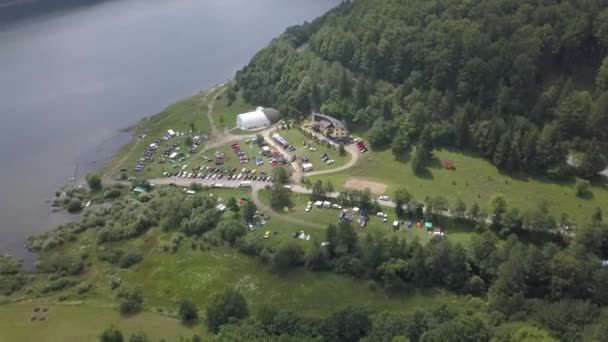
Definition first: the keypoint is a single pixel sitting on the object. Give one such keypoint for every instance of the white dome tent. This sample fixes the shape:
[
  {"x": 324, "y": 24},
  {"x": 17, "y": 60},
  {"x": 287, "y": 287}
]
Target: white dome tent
[{"x": 260, "y": 118}]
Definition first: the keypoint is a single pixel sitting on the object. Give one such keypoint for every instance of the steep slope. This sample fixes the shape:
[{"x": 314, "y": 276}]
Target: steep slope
[{"x": 521, "y": 82}]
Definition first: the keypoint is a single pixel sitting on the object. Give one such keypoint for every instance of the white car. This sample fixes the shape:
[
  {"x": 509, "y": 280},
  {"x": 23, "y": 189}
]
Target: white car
[
  {"x": 383, "y": 198},
  {"x": 308, "y": 208},
  {"x": 312, "y": 149},
  {"x": 329, "y": 162},
  {"x": 239, "y": 176}
]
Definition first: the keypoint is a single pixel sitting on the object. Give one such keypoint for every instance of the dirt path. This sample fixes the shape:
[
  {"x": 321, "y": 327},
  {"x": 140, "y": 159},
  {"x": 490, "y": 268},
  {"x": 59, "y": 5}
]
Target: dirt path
[{"x": 210, "y": 105}]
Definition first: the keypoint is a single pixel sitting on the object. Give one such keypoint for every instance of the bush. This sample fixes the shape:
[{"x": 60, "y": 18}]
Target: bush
[
  {"x": 130, "y": 259},
  {"x": 57, "y": 285},
  {"x": 188, "y": 311},
  {"x": 231, "y": 230},
  {"x": 94, "y": 181},
  {"x": 112, "y": 256},
  {"x": 288, "y": 256},
  {"x": 226, "y": 307},
  {"x": 131, "y": 301},
  {"x": 111, "y": 335},
  {"x": 74, "y": 205},
  {"x": 581, "y": 188},
  {"x": 112, "y": 193}
]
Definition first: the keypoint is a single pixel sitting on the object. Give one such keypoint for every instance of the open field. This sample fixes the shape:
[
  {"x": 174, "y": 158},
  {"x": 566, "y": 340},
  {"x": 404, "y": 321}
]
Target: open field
[
  {"x": 83, "y": 322},
  {"x": 302, "y": 145},
  {"x": 474, "y": 180},
  {"x": 224, "y": 115}
]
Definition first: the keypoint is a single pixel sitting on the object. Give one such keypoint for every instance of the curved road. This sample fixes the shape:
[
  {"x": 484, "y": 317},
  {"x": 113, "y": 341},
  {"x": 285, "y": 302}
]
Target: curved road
[{"x": 354, "y": 153}]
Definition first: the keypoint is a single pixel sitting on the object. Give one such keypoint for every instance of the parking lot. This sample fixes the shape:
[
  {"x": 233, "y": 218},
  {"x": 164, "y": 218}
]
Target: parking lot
[{"x": 308, "y": 151}]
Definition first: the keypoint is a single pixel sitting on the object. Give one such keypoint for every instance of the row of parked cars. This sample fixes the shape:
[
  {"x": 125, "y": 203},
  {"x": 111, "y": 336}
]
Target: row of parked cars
[
  {"x": 360, "y": 145},
  {"x": 215, "y": 176}
]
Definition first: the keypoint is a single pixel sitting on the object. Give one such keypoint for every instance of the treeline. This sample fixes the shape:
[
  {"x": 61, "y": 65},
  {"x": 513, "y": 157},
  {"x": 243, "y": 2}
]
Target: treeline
[
  {"x": 228, "y": 318},
  {"x": 521, "y": 82}
]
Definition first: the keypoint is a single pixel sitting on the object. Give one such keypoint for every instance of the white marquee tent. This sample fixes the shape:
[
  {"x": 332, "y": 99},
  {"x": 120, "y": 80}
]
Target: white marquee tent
[{"x": 252, "y": 120}]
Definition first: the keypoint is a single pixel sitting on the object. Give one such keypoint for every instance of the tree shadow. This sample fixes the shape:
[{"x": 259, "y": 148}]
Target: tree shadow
[
  {"x": 587, "y": 195},
  {"x": 191, "y": 324},
  {"x": 404, "y": 158},
  {"x": 435, "y": 163},
  {"x": 424, "y": 174}
]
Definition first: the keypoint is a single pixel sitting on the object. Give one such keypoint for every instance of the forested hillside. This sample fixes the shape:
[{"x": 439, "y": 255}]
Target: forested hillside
[{"x": 522, "y": 82}]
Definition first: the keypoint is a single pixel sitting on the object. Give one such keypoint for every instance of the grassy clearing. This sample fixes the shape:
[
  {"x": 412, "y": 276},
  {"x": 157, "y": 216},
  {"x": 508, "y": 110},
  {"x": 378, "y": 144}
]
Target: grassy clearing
[
  {"x": 474, "y": 180},
  {"x": 180, "y": 117},
  {"x": 83, "y": 322},
  {"x": 456, "y": 231},
  {"x": 302, "y": 145},
  {"x": 197, "y": 274},
  {"x": 225, "y": 115}
]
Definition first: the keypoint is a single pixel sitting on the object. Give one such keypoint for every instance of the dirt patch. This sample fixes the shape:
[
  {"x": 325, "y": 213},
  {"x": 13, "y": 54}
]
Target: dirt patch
[{"x": 361, "y": 184}]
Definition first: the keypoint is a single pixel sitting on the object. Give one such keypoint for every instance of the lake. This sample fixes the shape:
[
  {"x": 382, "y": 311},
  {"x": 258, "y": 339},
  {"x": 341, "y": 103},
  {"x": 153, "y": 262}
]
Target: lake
[{"x": 70, "y": 80}]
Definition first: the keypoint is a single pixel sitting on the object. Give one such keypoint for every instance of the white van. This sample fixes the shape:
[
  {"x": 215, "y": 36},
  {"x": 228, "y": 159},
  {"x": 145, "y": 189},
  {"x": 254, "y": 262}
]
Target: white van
[{"x": 246, "y": 184}]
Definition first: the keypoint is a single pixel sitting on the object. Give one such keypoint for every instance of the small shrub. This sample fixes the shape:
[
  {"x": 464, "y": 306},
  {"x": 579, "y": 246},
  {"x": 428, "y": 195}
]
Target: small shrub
[
  {"x": 74, "y": 205},
  {"x": 130, "y": 259}
]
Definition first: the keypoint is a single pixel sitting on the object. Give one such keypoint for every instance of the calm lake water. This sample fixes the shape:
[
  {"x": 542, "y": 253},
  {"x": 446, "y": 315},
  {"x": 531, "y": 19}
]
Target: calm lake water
[{"x": 70, "y": 81}]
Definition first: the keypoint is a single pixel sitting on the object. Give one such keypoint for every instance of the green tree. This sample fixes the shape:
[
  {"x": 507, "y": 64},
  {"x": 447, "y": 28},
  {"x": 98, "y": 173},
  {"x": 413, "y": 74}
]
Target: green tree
[
  {"x": 94, "y": 181},
  {"x": 131, "y": 301},
  {"x": 231, "y": 230},
  {"x": 111, "y": 334},
  {"x": 232, "y": 205},
  {"x": 281, "y": 175},
  {"x": 225, "y": 307},
  {"x": 279, "y": 196},
  {"x": 460, "y": 208},
  {"x": 188, "y": 141},
  {"x": 187, "y": 311},
  {"x": 341, "y": 150},
  {"x": 601, "y": 81},
  {"x": 593, "y": 161},
  {"x": 287, "y": 256},
  {"x": 249, "y": 210},
  {"x": 401, "y": 145},
  {"x": 348, "y": 324},
  {"x": 74, "y": 205},
  {"x": 318, "y": 191},
  {"x": 402, "y": 198},
  {"x": 581, "y": 188}
]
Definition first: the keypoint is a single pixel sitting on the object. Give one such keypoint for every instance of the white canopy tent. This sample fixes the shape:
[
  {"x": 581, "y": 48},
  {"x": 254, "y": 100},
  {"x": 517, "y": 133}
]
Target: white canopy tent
[{"x": 252, "y": 120}]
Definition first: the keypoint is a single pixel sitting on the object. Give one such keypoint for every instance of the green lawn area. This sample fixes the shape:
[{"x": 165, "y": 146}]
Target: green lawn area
[
  {"x": 179, "y": 117},
  {"x": 83, "y": 322},
  {"x": 460, "y": 232},
  {"x": 302, "y": 145},
  {"x": 474, "y": 180},
  {"x": 166, "y": 279},
  {"x": 225, "y": 115}
]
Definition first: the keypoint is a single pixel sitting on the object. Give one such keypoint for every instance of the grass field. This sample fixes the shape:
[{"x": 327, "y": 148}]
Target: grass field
[
  {"x": 180, "y": 117},
  {"x": 474, "y": 180},
  {"x": 83, "y": 322},
  {"x": 302, "y": 145},
  {"x": 224, "y": 115}
]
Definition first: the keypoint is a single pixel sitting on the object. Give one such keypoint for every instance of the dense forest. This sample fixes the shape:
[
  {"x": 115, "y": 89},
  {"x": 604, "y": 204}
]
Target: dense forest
[{"x": 523, "y": 83}]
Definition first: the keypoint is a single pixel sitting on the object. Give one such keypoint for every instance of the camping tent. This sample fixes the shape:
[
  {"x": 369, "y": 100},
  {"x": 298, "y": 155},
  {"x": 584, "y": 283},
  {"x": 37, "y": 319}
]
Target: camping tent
[{"x": 428, "y": 225}]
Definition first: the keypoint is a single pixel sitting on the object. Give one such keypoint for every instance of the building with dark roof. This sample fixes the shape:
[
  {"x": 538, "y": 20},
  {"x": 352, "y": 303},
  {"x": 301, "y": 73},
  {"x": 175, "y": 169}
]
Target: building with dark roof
[{"x": 329, "y": 126}]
